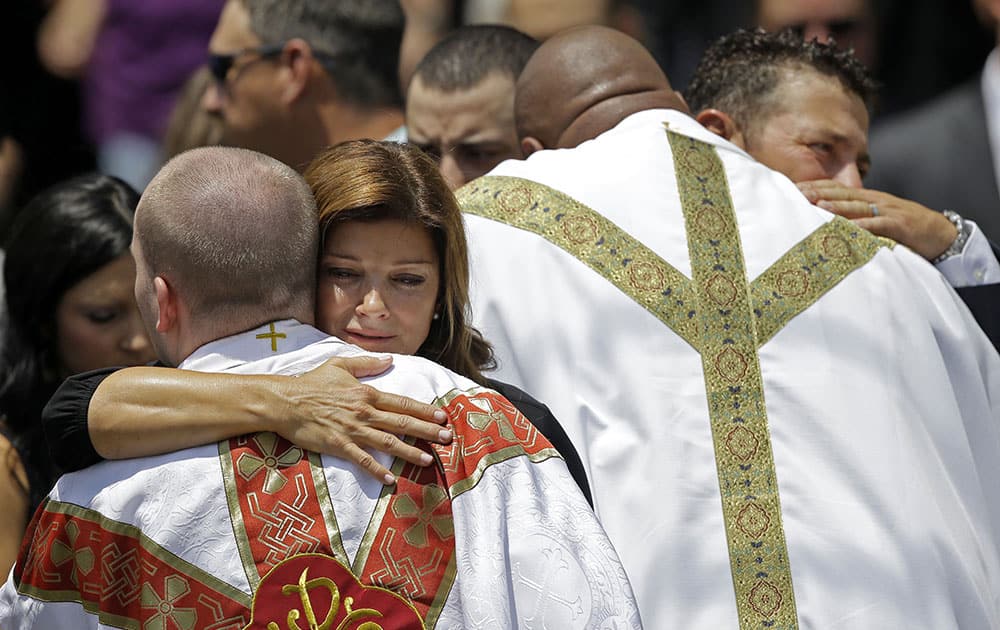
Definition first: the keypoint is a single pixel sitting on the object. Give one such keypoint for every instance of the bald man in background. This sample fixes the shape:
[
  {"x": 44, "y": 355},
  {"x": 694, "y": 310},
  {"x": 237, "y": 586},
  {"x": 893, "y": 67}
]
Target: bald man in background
[{"x": 708, "y": 337}]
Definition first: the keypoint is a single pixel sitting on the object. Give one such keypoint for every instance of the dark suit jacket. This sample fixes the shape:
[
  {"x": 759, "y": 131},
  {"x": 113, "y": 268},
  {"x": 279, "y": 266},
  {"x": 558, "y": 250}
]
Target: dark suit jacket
[{"x": 939, "y": 155}]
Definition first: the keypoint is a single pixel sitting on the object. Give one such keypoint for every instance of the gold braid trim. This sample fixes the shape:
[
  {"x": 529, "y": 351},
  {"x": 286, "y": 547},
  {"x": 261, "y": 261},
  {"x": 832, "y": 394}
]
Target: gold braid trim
[
  {"x": 807, "y": 271},
  {"x": 758, "y": 556},
  {"x": 593, "y": 240},
  {"x": 791, "y": 285}
]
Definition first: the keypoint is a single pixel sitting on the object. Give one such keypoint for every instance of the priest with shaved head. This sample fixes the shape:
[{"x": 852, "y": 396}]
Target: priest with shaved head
[{"x": 786, "y": 421}]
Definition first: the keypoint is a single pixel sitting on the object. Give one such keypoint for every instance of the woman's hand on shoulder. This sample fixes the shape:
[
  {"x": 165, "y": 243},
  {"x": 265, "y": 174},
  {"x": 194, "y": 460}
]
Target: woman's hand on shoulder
[{"x": 329, "y": 411}]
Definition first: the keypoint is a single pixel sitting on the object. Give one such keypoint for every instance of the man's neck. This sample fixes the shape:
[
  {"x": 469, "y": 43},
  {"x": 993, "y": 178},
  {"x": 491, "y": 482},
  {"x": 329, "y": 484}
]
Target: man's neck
[
  {"x": 268, "y": 341},
  {"x": 335, "y": 124},
  {"x": 345, "y": 122},
  {"x": 194, "y": 335}
]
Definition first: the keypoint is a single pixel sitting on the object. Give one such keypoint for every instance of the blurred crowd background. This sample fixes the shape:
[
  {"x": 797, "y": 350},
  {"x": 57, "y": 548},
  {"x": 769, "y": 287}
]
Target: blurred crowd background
[{"x": 92, "y": 83}]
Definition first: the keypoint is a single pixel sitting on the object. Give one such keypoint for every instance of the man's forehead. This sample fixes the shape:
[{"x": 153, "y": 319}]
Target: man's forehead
[
  {"x": 479, "y": 112},
  {"x": 233, "y": 32},
  {"x": 822, "y": 103},
  {"x": 776, "y": 14},
  {"x": 493, "y": 85}
]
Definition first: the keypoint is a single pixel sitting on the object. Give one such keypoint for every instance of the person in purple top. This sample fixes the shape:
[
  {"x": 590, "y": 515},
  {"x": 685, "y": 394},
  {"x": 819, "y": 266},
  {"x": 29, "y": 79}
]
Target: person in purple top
[{"x": 133, "y": 58}]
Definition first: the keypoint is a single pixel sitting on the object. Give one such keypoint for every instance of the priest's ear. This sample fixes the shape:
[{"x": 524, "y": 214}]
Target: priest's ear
[
  {"x": 529, "y": 145},
  {"x": 721, "y": 124},
  {"x": 167, "y": 306}
]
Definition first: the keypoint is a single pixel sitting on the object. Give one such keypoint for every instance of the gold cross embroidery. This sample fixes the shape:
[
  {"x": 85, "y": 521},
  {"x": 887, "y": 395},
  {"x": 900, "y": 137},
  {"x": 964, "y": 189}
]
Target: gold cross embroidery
[
  {"x": 61, "y": 553},
  {"x": 273, "y": 336},
  {"x": 433, "y": 497},
  {"x": 175, "y": 588},
  {"x": 269, "y": 460},
  {"x": 483, "y": 419}
]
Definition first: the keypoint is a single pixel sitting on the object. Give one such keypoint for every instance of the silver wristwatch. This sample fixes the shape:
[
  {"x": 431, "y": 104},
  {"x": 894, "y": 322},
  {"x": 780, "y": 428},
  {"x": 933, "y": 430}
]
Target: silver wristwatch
[{"x": 964, "y": 232}]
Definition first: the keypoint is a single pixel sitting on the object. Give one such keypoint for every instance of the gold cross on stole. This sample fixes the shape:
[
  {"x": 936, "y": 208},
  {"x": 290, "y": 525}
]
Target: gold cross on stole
[{"x": 273, "y": 336}]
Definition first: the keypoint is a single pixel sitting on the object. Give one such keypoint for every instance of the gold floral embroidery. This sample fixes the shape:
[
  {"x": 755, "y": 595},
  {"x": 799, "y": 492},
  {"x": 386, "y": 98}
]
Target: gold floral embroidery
[
  {"x": 807, "y": 271},
  {"x": 591, "y": 238},
  {"x": 728, "y": 341}
]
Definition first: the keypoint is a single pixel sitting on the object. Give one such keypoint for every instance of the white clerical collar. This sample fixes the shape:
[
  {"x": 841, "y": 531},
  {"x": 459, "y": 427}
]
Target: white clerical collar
[
  {"x": 679, "y": 122},
  {"x": 399, "y": 134},
  {"x": 990, "y": 82},
  {"x": 260, "y": 343}
]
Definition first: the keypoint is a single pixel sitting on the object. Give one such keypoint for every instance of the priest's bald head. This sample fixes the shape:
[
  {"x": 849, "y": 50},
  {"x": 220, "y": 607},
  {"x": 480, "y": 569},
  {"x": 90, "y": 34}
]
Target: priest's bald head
[
  {"x": 584, "y": 81},
  {"x": 225, "y": 240}
]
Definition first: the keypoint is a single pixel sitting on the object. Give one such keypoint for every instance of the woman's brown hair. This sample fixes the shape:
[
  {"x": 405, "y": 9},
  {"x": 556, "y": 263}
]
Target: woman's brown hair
[{"x": 366, "y": 180}]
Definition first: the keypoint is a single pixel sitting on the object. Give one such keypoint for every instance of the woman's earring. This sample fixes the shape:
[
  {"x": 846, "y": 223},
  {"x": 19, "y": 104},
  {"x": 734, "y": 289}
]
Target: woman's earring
[{"x": 436, "y": 316}]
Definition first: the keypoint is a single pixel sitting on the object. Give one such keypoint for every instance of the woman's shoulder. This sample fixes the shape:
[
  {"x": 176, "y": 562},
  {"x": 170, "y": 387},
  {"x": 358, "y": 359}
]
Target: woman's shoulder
[
  {"x": 11, "y": 463},
  {"x": 532, "y": 408},
  {"x": 549, "y": 426}
]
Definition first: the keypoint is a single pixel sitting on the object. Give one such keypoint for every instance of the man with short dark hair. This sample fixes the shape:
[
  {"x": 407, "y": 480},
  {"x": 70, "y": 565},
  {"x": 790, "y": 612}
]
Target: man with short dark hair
[
  {"x": 801, "y": 108},
  {"x": 460, "y": 103},
  {"x": 294, "y": 76},
  {"x": 254, "y": 531}
]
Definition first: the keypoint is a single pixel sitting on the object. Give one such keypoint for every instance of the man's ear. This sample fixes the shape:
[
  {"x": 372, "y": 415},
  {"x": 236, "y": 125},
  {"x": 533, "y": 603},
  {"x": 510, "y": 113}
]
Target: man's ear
[
  {"x": 166, "y": 305},
  {"x": 296, "y": 69},
  {"x": 529, "y": 145},
  {"x": 719, "y": 123},
  {"x": 684, "y": 107}
]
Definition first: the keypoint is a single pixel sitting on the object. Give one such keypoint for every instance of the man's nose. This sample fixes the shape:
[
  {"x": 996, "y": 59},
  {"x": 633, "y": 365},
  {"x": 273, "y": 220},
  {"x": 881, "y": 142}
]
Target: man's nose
[
  {"x": 849, "y": 176},
  {"x": 451, "y": 171},
  {"x": 211, "y": 100},
  {"x": 816, "y": 30}
]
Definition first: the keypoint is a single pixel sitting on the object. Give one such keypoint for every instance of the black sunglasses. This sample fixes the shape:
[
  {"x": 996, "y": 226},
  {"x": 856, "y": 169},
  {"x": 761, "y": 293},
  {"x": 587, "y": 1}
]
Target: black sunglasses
[{"x": 220, "y": 65}]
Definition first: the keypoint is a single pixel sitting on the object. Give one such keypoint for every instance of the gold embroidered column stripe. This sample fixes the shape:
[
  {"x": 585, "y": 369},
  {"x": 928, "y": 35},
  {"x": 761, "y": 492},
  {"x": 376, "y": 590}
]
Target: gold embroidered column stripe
[
  {"x": 236, "y": 514},
  {"x": 751, "y": 508},
  {"x": 593, "y": 240}
]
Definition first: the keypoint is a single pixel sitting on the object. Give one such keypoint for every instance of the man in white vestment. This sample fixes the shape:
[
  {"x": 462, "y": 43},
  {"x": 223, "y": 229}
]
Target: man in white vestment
[
  {"x": 787, "y": 422},
  {"x": 254, "y": 532}
]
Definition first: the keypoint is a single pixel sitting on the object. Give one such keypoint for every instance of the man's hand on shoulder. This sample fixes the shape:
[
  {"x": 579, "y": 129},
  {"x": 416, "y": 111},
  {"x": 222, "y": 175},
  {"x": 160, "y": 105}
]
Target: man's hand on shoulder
[
  {"x": 329, "y": 411},
  {"x": 925, "y": 231}
]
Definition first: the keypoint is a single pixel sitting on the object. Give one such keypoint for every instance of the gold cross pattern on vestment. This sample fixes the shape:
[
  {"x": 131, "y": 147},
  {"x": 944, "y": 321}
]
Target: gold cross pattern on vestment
[{"x": 274, "y": 336}]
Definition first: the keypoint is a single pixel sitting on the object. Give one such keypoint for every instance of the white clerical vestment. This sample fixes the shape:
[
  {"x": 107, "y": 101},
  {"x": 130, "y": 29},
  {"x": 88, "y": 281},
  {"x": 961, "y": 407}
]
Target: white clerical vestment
[
  {"x": 786, "y": 421},
  {"x": 256, "y": 533}
]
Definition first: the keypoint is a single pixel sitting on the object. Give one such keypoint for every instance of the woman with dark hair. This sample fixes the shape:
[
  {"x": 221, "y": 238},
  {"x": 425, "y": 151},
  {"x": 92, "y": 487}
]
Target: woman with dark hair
[
  {"x": 70, "y": 308},
  {"x": 393, "y": 276}
]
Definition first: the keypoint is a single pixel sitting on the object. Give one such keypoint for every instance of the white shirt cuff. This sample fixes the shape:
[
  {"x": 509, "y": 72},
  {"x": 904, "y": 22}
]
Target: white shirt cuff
[{"x": 975, "y": 266}]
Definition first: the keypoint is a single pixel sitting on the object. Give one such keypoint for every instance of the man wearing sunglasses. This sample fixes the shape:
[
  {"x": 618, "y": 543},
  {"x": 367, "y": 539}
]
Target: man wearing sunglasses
[{"x": 294, "y": 76}]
